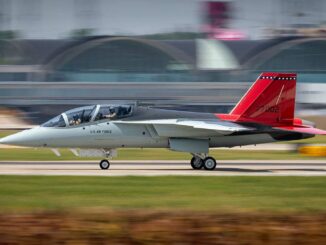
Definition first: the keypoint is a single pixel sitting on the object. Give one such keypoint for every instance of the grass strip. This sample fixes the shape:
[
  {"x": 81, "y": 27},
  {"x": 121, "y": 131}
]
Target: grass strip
[{"x": 240, "y": 193}]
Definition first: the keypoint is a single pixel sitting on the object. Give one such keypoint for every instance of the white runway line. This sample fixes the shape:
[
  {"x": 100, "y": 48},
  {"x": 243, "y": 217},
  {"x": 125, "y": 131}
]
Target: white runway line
[{"x": 160, "y": 168}]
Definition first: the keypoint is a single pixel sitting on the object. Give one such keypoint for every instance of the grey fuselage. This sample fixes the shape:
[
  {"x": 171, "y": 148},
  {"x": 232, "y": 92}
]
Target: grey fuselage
[{"x": 109, "y": 134}]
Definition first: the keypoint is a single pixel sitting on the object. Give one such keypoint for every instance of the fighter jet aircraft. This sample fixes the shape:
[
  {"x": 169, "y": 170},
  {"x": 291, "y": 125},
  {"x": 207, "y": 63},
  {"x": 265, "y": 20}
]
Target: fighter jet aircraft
[{"x": 264, "y": 114}]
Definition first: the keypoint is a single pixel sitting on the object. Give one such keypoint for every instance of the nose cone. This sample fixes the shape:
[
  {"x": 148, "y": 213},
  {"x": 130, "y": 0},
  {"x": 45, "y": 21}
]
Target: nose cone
[{"x": 24, "y": 138}]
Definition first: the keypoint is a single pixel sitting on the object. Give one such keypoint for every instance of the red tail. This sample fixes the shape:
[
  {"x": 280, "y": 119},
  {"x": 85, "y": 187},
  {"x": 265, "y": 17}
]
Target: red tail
[{"x": 270, "y": 100}]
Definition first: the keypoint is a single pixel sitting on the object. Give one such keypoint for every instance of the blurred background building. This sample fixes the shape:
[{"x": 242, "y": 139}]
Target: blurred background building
[{"x": 185, "y": 54}]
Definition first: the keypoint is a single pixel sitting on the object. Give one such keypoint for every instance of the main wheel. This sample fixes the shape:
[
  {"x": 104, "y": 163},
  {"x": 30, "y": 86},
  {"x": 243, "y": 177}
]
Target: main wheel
[
  {"x": 104, "y": 164},
  {"x": 209, "y": 163},
  {"x": 196, "y": 163}
]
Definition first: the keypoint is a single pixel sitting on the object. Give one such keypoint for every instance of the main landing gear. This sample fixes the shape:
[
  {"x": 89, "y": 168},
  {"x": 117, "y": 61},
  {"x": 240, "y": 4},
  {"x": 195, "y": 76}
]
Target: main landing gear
[{"x": 206, "y": 162}]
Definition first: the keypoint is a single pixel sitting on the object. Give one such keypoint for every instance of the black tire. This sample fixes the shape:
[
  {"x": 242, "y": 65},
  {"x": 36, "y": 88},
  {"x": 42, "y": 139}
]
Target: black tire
[
  {"x": 196, "y": 163},
  {"x": 209, "y": 163},
  {"x": 104, "y": 164}
]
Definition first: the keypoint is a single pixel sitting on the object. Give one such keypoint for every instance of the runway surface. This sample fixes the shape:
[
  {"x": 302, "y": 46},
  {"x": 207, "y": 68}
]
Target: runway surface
[{"x": 158, "y": 168}]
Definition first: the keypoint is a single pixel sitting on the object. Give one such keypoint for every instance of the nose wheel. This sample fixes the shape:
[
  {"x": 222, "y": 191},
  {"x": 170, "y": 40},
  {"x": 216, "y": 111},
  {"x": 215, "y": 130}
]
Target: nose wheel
[
  {"x": 208, "y": 163},
  {"x": 104, "y": 164}
]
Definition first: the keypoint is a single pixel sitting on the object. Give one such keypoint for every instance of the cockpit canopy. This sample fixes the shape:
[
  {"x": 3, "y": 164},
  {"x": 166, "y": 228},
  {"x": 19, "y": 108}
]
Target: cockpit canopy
[{"x": 87, "y": 114}]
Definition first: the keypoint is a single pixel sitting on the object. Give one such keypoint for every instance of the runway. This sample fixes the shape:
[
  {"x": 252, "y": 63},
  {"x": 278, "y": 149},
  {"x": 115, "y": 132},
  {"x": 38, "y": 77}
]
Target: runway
[{"x": 161, "y": 168}]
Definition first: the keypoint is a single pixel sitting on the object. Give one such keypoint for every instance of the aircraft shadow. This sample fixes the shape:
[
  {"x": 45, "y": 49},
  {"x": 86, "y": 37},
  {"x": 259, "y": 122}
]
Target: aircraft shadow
[
  {"x": 242, "y": 170},
  {"x": 155, "y": 169},
  {"x": 302, "y": 169}
]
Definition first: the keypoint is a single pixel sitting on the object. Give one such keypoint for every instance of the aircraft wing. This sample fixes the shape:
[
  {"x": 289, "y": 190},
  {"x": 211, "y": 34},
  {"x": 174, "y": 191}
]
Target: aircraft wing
[
  {"x": 212, "y": 125},
  {"x": 164, "y": 127}
]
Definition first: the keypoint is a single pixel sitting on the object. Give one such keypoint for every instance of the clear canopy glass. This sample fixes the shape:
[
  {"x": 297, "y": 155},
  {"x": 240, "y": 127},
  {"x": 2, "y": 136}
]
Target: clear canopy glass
[
  {"x": 80, "y": 115},
  {"x": 58, "y": 121},
  {"x": 87, "y": 114},
  {"x": 113, "y": 112}
]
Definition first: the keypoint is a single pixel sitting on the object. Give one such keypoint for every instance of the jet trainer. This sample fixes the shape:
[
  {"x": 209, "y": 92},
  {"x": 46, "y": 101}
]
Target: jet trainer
[{"x": 264, "y": 114}]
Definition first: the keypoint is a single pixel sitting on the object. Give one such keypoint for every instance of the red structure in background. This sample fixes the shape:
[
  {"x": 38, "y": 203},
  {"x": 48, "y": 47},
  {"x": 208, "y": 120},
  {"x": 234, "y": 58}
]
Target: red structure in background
[{"x": 217, "y": 15}]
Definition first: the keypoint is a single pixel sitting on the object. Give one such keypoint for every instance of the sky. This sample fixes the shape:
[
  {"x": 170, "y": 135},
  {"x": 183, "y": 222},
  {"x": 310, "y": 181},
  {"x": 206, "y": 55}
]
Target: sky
[{"x": 56, "y": 19}]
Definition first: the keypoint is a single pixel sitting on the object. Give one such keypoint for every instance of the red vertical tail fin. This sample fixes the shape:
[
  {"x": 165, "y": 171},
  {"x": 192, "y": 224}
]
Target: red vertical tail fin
[{"x": 270, "y": 100}]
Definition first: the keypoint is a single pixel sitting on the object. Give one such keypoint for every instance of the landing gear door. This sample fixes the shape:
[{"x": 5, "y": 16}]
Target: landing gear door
[{"x": 189, "y": 145}]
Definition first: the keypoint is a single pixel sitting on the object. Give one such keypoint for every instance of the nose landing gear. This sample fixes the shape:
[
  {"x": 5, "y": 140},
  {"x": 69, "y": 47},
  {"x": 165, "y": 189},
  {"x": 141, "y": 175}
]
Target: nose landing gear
[
  {"x": 104, "y": 164},
  {"x": 200, "y": 161},
  {"x": 108, "y": 153}
]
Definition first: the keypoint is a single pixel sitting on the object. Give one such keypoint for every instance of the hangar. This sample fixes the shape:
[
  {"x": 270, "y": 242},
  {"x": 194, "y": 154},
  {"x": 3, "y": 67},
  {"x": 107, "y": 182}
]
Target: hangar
[{"x": 196, "y": 74}]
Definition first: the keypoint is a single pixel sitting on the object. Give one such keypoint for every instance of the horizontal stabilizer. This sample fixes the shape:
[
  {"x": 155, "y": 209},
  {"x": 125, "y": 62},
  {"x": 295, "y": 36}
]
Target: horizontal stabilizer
[{"x": 305, "y": 130}]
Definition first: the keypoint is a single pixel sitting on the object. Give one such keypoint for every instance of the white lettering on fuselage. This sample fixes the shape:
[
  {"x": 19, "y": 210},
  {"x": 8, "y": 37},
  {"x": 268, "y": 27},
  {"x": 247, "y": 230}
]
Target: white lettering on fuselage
[{"x": 100, "y": 131}]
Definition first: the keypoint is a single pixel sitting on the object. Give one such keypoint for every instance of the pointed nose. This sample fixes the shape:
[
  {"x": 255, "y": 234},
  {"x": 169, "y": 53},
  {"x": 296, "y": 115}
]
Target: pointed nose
[
  {"x": 3, "y": 141},
  {"x": 14, "y": 139},
  {"x": 24, "y": 138}
]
